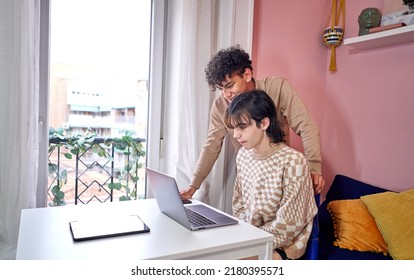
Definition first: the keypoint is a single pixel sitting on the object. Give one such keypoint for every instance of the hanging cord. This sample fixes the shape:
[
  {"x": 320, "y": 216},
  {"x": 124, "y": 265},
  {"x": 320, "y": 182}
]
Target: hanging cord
[
  {"x": 334, "y": 15},
  {"x": 339, "y": 13}
]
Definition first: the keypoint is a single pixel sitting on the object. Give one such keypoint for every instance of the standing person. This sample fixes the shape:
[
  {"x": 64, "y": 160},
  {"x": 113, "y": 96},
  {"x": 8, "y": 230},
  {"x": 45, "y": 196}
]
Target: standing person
[
  {"x": 231, "y": 71},
  {"x": 273, "y": 188}
]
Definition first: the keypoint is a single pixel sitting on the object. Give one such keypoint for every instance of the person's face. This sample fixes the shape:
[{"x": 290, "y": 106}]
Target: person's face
[
  {"x": 235, "y": 85},
  {"x": 252, "y": 137}
]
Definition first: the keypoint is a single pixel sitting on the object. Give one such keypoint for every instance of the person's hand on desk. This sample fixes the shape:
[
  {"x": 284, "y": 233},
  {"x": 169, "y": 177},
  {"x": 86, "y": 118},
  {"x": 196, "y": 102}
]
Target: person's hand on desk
[{"x": 188, "y": 193}]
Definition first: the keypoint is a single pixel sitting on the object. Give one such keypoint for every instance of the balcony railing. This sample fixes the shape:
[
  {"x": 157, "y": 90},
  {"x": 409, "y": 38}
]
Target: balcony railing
[{"x": 102, "y": 170}]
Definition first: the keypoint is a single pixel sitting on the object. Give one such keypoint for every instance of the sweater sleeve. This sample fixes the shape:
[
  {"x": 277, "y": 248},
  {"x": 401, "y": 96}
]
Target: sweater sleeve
[
  {"x": 212, "y": 146},
  {"x": 237, "y": 203},
  {"x": 303, "y": 124},
  {"x": 297, "y": 207}
]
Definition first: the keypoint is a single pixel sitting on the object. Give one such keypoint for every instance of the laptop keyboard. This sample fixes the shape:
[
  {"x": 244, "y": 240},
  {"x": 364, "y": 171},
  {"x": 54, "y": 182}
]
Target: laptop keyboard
[{"x": 196, "y": 219}]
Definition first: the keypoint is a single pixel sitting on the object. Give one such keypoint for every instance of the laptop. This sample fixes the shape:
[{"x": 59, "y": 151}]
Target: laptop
[{"x": 192, "y": 217}]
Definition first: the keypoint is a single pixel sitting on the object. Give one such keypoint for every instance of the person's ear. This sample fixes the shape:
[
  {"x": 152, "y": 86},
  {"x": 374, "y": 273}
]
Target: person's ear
[
  {"x": 248, "y": 75},
  {"x": 264, "y": 124}
]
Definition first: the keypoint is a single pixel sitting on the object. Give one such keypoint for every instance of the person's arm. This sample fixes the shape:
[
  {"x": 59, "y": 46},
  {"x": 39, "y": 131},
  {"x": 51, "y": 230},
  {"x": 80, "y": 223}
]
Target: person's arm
[
  {"x": 297, "y": 206},
  {"x": 302, "y": 123},
  {"x": 237, "y": 202},
  {"x": 210, "y": 151}
]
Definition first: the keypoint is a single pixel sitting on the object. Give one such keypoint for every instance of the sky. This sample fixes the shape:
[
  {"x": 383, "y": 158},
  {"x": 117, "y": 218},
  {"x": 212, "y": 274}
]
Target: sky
[{"x": 111, "y": 35}]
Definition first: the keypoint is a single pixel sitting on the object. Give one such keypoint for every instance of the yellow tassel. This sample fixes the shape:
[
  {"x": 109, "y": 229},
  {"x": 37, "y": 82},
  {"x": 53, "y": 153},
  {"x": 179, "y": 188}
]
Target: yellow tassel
[{"x": 332, "y": 66}]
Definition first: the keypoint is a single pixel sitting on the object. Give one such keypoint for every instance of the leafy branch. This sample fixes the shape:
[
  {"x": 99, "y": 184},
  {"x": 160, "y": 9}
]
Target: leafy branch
[
  {"x": 408, "y": 2},
  {"x": 77, "y": 144},
  {"x": 132, "y": 151}
]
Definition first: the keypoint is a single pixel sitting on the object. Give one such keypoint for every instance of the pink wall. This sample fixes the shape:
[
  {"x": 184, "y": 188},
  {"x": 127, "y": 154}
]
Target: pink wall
[{"x": 365, "y": 110}]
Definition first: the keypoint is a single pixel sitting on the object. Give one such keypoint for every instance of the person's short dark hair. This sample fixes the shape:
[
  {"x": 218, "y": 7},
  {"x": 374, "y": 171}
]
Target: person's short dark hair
[
  {"x": 254, "y": 105},
  {"x": 230, "y": 61}
]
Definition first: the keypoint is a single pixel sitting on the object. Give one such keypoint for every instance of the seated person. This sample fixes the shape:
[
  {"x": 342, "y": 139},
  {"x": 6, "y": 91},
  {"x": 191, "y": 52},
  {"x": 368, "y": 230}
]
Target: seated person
[{"x": 273, "y": 188}]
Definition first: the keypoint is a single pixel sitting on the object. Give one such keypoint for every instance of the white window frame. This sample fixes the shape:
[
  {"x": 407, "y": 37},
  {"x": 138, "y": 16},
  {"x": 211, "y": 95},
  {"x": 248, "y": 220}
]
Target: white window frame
[{"x": 155, "y": 92}]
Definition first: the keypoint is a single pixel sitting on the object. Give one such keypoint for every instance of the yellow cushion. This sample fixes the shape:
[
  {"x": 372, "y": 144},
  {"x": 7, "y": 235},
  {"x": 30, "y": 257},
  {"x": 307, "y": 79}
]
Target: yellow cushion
[
  {"x": 394, "y": 216},
  {"x": 355, "y": 228}
]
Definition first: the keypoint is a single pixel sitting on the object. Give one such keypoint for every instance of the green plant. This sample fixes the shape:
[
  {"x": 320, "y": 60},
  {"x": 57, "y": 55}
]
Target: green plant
[
  {"x": 75, "y": 144},
  {"x": 132, "y": 151},
  {"x": 408, "y": 3}
]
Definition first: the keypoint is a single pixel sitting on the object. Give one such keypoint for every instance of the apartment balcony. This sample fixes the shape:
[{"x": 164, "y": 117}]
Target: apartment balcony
[{"x": 102, "y": 170}]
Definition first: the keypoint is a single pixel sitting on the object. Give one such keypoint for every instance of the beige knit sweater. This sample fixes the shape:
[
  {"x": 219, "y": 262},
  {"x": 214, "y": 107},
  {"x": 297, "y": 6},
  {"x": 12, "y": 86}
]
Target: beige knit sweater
[{"x": 274, "y": 192}]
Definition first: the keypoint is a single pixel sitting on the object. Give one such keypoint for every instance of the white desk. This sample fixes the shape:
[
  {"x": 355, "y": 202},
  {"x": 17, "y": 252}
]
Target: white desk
[{"x": 44, "y": 234}]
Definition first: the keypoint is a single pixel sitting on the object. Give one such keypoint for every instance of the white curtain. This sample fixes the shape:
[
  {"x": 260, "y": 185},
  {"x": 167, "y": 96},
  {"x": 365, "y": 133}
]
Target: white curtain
[
  {"x": 187, "y": 95},
  {"x": 196, "y": 31},
  {"x": 19, "y": 111}
]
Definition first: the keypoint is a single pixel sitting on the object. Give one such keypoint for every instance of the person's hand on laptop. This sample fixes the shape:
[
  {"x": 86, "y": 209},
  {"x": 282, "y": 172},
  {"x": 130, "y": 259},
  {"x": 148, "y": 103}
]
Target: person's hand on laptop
[{"x": 188, "y": 193}]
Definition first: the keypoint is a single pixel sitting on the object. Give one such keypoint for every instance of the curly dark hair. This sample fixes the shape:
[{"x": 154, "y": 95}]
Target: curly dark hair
[{"x": 230, "y": 61}]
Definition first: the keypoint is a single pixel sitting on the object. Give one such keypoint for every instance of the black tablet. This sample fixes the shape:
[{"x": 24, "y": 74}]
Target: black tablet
[{"x": 88, "y": 228}]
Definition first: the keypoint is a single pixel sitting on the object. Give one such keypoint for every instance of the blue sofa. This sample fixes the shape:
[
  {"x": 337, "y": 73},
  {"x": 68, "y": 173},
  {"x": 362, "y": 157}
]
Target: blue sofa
[{"x": 342, "y": 187}]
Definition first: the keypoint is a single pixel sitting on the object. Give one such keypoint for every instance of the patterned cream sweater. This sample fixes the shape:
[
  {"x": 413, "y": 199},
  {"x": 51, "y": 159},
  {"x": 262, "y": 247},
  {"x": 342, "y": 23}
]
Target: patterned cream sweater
[{"x": 274, "y": 192}]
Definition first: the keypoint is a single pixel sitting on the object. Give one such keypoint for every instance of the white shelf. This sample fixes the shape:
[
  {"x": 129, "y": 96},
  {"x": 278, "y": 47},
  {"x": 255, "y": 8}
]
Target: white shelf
[{"x": 380, "y": 39}]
